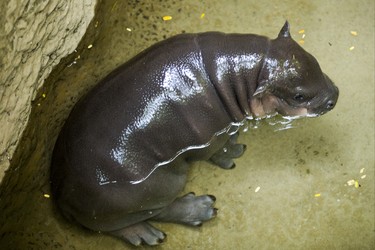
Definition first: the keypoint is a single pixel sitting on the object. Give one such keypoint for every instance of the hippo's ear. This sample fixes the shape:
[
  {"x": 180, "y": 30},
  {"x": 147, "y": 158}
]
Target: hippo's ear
[{"x": 284, "y": 32}]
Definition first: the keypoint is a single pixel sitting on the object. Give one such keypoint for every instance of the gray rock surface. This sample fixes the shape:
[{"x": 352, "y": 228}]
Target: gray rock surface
[{"x": 34, "y": 36}]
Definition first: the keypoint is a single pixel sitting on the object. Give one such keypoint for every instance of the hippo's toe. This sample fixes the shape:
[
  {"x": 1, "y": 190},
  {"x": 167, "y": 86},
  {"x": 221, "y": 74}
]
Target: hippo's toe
[
  {"x": 140, "y": 233},
  {"x": 223, "y": 157},
  {"x": 189, "y": 209}
]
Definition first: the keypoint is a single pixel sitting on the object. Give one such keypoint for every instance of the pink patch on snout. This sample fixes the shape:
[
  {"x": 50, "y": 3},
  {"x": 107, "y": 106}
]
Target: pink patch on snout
[
  {"x": 265, "y": 105},
  {"x": 270, "y": 104},
  {"x": 301, "y": 112},
  {"x": 256, "y": 108}
]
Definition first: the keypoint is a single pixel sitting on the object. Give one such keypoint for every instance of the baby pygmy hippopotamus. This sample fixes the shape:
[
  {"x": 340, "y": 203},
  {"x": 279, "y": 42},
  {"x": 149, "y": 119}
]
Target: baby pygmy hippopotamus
[{"x": 123, "y": 154}]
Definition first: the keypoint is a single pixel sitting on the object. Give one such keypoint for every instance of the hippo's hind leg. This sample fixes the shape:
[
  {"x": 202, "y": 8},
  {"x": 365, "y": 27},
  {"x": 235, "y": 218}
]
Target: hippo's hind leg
[
  {"x": 189, "y": 210},
  {"x": 224, "y": 157}
]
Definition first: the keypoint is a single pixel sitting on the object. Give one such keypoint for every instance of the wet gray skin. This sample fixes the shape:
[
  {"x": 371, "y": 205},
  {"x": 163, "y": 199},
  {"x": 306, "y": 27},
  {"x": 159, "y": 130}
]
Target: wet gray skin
[{"x": 123, "y": 154}]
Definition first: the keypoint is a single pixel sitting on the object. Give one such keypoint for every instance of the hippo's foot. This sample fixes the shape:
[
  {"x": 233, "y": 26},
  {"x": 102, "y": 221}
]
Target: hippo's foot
[
  {"x": 224, "y": 157},
  {"x": 140, "y": 233},
  {"x": 189, "y": 209}
]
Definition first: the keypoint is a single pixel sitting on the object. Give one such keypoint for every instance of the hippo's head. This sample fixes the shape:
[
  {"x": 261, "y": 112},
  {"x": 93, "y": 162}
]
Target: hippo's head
[{"x": 291, "y": 82}]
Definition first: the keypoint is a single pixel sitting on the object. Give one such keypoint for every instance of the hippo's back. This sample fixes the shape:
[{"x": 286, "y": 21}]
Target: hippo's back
[{"x": 143, "y": 113}]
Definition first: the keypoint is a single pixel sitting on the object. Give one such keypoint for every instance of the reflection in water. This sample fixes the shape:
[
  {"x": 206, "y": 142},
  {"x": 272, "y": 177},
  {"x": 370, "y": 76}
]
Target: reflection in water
[{"x": 278, "y": 122}]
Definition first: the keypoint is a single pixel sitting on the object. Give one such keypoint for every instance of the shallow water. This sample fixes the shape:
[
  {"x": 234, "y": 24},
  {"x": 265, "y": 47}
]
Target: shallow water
[{"x": 303, "y": 199}]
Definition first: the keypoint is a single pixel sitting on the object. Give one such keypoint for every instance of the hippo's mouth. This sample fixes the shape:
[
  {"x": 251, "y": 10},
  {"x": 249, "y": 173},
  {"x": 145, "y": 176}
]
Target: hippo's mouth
[
  {"x": 298, "y": 112},
  {"x": 270, "y": 105}
]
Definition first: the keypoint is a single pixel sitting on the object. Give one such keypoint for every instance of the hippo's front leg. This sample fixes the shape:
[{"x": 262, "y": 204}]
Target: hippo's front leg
[{"x": 224, "y": 156}]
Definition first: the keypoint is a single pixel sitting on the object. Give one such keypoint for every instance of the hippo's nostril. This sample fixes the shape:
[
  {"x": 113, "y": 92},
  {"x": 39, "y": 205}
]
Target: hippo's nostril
[{"x": 330, "y": 105}]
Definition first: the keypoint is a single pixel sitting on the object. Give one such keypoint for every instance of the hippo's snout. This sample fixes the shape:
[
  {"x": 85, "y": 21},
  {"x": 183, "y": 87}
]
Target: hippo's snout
[
  {"x": 332, "y": 100},
  {"x": 328, "y": 102},
  {"x": 333, "y": 93},
  {"x": 330, "y": 105}
]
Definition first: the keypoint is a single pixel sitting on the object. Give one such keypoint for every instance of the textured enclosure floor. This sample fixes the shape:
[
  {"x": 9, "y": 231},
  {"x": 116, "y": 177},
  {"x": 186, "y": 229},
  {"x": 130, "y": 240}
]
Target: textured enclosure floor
[{"x": 314, "y": 183}]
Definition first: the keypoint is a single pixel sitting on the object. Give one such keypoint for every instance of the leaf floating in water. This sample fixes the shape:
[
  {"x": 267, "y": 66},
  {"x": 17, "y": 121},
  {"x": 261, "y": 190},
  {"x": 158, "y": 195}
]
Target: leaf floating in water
[
  {"x": 167, "y": 18},
  {"x": 350, "y": 182}
]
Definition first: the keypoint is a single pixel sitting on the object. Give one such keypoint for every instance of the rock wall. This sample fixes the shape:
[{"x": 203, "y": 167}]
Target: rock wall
[{"x": 34, "y": 36}]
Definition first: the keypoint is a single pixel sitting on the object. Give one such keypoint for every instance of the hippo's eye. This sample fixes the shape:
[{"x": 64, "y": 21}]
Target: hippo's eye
[{"x": 299, "y": 97}]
